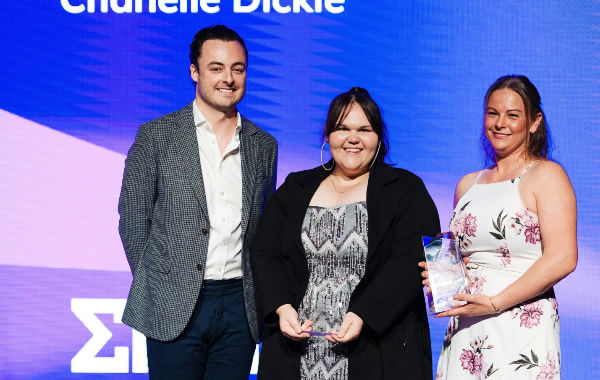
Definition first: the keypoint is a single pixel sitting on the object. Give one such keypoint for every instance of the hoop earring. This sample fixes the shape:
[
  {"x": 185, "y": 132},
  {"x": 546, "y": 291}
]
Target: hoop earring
[
  {"x": 376, "y": 153},
  {"x": 322, "y": 164}
]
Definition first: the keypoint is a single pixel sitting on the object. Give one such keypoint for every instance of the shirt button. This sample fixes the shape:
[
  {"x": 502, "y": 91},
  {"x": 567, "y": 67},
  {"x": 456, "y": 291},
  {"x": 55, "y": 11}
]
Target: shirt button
[
  {"x": 204, "y": 231},
  {"x": 199, "y": 267},
  {"x": 222, "y": 193},
  {"x": 223, "y": 243}
]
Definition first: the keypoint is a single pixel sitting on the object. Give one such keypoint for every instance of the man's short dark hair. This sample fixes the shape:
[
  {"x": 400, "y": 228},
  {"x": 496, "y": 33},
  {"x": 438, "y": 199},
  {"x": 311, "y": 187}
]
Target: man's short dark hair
[{"x": 215, "y": 32}]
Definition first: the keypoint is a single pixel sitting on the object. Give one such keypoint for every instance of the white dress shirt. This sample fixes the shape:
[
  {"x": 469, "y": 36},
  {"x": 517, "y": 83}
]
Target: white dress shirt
[{"x": 222, "y": 177}]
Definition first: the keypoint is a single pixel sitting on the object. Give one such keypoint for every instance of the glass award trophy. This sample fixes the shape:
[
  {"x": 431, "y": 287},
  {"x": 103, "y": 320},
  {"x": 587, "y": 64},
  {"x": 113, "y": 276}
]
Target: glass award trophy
[{"x": 447, "y": 275}]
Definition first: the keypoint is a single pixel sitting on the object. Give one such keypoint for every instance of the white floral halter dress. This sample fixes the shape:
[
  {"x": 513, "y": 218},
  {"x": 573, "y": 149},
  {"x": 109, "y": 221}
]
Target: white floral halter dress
[{"x": 502, "y": 240}]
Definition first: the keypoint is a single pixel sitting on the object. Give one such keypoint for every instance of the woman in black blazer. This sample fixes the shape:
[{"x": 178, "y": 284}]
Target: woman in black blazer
[{"x": 334, "y": 260}]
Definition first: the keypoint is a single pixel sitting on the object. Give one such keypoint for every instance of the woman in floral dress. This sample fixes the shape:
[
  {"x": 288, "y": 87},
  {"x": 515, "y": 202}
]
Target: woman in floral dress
[{"x": 516, "y": 223}]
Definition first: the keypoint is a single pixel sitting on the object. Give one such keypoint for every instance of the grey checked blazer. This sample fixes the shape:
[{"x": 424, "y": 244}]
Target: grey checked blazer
[{"x": 164, "y": 223}]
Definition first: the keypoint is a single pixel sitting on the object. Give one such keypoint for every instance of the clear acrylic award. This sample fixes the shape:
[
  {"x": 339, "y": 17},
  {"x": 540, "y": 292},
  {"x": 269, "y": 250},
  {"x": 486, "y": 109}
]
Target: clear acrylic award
[{"x": 447, "y": 275}]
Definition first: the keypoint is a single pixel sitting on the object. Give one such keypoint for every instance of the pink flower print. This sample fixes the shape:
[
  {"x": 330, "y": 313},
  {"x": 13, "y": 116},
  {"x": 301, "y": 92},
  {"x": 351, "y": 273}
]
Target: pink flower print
[
  {"x": 531, "y": 313},
  {"x": 503, "y": 252},
  {"x": 462, "y": 223},
  {"x": 515, "y": 226},
  {"x": 452, "y": 326},
  {"x": 469, "y": 223},
  {"x": 476, "y": 345},
  {"x": 547, "y": 369},
  {"x": 525, "y": 217},
  {"x": 464, "y": 242},
  {"x": 528, "y": 220},
  {"x": 477, "y": 281},
  {"x": 532, "y": 234},
  {"x": 471, "y": 362},
  {"x": 439, "y": 375},
  {"x": 479, "y": 344},
  {"x": 554, "y": 316},
  {"x": 463, "y": 226},
  {"x": 455, "y": 226},
  {"x": 515, "y": 312}
]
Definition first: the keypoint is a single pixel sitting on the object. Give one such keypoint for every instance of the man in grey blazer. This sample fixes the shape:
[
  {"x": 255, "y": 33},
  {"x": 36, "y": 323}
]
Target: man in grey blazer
[{"x": 194, "y": 186}]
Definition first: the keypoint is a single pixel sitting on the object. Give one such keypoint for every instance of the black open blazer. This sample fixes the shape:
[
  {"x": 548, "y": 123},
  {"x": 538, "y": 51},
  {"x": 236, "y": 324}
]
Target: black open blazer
[{"x": 394, "y": 342}]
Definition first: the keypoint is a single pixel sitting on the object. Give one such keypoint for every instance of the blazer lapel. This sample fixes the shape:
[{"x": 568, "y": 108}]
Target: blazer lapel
[
  {"x": 250, "y": 162},
  {"x": 187, "y": 140},
  {"x": 381, "y": 201}
]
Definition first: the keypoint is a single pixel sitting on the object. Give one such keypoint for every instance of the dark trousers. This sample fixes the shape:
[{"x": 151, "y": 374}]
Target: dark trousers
[{"x": 215, "y": 345}]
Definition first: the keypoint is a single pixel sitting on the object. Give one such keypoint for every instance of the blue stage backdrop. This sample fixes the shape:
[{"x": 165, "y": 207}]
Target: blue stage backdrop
[{"x": 77, "y": 78}]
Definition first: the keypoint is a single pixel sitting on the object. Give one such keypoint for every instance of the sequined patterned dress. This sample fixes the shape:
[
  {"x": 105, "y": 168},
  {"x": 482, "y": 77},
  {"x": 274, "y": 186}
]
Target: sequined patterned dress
[
  {"x": 335, "y": 242},
  {"x": 502, "y": 240}
]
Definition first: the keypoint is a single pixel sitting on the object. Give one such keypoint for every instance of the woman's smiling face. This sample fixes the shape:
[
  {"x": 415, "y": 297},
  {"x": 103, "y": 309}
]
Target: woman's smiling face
[
  {"x": 506, "y": 125},
  {"x": 353, "y": 143}
]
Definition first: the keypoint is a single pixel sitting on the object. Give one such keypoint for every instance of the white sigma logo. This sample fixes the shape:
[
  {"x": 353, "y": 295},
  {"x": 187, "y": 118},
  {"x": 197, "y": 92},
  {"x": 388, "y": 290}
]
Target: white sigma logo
[{"x": 86, "y": 359}]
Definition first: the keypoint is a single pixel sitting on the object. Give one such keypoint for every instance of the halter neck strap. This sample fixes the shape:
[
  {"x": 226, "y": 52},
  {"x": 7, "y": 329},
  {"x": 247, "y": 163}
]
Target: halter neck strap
[
  {"x": 479, "y": 175},
  {"x": 527, "y": 167}
]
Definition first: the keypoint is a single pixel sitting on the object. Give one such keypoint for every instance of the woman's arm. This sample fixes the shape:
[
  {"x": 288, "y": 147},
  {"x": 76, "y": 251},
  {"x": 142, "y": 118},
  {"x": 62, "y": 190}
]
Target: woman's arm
[
  {"x": 555, "y": 204},
  {"x": 396, "y": 284}
]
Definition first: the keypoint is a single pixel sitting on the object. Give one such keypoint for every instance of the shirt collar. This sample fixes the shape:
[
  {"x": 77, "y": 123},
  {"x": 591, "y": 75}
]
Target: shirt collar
[{"x": 201, "y": 122}]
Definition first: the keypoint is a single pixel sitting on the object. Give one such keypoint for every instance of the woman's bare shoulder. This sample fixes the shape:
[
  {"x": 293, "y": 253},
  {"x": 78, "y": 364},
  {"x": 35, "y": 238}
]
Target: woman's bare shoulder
[
  {"x": 547, "y": 177},
  {"x": 464, "y": 184},
  {"x": 545, "y": 172}
]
